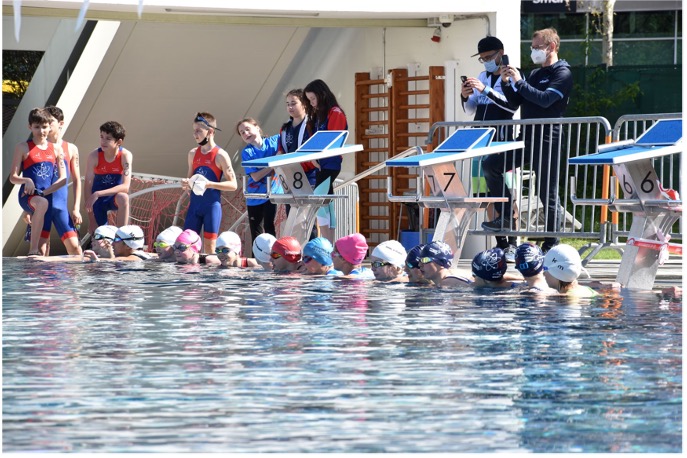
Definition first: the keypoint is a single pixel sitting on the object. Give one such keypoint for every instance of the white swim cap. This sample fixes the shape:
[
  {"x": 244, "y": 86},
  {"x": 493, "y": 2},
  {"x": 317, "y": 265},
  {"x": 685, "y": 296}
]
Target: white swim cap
[
  {"x": 262, "y": 247},
  {"x": 231, "y": 240},
  {"x": 131, "y": 235},
  {"x": 169, "y": 235},
  {"x": 391, "y": 251}
]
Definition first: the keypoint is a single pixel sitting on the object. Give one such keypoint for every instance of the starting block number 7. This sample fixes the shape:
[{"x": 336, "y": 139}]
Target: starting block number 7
[{"x": 433, "y": 183}]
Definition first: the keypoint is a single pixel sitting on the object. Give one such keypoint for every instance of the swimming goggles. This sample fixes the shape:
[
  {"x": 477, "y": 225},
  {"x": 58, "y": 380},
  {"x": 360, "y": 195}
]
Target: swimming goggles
[
  {"x": 378, "y": 264},
  {"x": 307, "y": 259},
  {"x": 274, "y": 255},
  {"x": 102, "y": 237},
  {"x": 411, "y": 266},
  {"x": 160, "y": 245},
  {"x": 119, "y": 239},
  {"x": 425, "y": 260},
  {"x": 223, "y": 250},
  {"x": 182, "y": 247},
  {"x": 201, "y": 119}
]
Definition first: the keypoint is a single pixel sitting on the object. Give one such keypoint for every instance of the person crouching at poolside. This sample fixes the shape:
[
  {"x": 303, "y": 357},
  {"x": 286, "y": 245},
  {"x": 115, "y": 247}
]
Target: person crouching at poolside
[
  {"x": 388, "y": 259},
  {"x": 228, "y": 252},
  {"x": 436, "y": 259},
  {"x": 262, "y": 248},
  {"x": 187, "y": 247},
  {"x": 348, "y": 256},
  {"x": 164, "y": 244},
  {"x": 489, "y": 268},
  {"x": 286, "y": 255},
  {"x": 562, "y": 267},
  {"x": 317, "y": 258},
  {"x": 412, "y": 266},
  {"x": 529, "y": 260}
]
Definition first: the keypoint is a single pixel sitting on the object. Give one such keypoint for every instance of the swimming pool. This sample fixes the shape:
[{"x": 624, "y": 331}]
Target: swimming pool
[{"x": 164, "y": 358}]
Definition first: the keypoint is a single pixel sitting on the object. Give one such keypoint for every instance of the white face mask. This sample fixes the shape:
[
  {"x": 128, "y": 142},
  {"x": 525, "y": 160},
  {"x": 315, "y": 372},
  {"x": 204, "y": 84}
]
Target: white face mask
[
  {"x": 538, "y": 56},
  {"x": 491, "y": 66}
]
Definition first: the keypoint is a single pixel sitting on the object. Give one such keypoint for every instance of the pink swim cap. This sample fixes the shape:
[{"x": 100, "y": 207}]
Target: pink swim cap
[
  {"x": 191, "y": 238},
  {"x": 353, "y": 248}
]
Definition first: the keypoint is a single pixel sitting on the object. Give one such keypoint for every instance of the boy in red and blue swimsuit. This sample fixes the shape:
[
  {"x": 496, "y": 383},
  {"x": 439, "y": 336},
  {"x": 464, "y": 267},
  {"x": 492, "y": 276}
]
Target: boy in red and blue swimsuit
[
  {"x": 211, "y": 161},
  {"x": 108, "y": 177},
  {"x": 33, "y": 166},
  {"x": 59, "y": 213}
]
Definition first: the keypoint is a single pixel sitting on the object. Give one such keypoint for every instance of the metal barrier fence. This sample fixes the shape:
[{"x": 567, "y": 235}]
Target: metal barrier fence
[
  {"x": 346, "y": 209},
  {"x": 579, "y": 136},
  {"x": 667, "y": 168}
]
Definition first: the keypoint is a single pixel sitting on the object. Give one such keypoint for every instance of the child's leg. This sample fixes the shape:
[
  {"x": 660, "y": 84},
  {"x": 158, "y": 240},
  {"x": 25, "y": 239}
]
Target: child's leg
[
  {"x": 72, "y": 245},
  {"x": 122, "y": 202},
  {"x": 40, "y": 207}
]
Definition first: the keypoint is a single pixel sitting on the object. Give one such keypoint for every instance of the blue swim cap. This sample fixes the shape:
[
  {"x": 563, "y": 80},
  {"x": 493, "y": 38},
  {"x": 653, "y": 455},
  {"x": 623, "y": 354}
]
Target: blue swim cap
[
  {"x": 439, "y": 252},
  {"x": 413, "y": 258},
  {"x": 490, "y": 265},
  {"x": 529, "y": 259},
  {"x": 320, "y": 249}
]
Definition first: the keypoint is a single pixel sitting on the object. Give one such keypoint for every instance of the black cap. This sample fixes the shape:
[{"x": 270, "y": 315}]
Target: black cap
[{"x": 488, "y": 44}]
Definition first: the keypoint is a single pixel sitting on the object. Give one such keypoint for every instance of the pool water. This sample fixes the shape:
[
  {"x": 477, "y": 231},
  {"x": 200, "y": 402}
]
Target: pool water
[{"x": 124, "y": 357}]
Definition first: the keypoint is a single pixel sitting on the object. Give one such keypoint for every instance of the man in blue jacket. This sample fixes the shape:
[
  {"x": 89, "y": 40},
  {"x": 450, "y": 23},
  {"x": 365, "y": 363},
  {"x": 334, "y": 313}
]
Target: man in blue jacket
[{"x": 545, "y": 94}]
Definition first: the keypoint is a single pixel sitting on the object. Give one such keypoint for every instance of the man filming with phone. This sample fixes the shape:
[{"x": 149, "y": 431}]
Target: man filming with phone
[{"x": 483, "y": 98}]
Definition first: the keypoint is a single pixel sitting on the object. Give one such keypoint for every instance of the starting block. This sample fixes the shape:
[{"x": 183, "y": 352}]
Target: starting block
[
  {"x": 448, "y": 193},
  {"x": 298, "y": 192},
  {"x": 654, "y": 209}
]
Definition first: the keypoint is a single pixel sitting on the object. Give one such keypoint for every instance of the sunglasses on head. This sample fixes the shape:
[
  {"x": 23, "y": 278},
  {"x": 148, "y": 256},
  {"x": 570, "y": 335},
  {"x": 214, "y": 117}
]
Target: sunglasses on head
[
  {"x": 160, "y": 244},
  {"x": 102, "y": 237},
  {"x": 201, "y": 119},
  {"x": 223, "y": 250},
  {"x": 378, "y": 264}
]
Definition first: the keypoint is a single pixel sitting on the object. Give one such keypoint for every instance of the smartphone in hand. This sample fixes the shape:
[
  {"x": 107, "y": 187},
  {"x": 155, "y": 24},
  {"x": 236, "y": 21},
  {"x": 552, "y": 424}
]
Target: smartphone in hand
[
  {"x": 464, "y": 79},
  {"x": 504, "y": 60}
]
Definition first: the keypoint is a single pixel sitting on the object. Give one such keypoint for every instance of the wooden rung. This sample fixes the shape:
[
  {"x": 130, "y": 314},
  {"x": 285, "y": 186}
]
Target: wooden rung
[
  {"x": 381, "y": 122},
  {"x": 370, "y": 137},
  {"x": 418, "y": 106},
  {"x": 377, "y": 150},
  {"x": 373, "y": 109},
  {"x": 412, "y": 134},
  {"x": 413, "y": 78},
  {"x": 375, "y": 96},
  {"x": 416, "y": 120},
  {"x": 375, "y": 204},
  {"x": 425, "y": 92},
  {"x": 377, "y": 231},
  {"x": 369, "y": 82}
]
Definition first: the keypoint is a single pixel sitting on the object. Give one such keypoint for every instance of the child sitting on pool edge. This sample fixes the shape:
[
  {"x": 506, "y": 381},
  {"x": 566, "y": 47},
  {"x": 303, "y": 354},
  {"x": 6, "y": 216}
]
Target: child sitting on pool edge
[
  {"x": 348, "y": 256},
  {"x": 317, "y": 258}
]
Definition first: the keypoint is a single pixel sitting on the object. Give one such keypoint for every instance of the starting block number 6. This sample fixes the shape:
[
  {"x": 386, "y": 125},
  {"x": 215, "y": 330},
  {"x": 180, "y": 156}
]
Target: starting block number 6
[{"x": 635, "y": 179}]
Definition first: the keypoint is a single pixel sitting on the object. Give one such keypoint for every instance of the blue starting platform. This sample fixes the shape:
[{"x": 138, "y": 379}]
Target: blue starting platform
[
  {"x": 654, "y": 209},
  {"x": 449, "y": 195},
  {"x": 288, "y": 169}
]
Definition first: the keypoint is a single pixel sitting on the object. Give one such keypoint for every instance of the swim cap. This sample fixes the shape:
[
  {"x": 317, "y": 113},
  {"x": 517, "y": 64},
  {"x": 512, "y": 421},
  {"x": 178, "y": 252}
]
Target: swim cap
[
  {"x": 391, "y": 251},
  {"x": 413, "y": 258},
  {"x": 353, "y": 248},
  {"x": 529, "y": 259},
  {"x": 230, "y": 240},
  {"x": 191, "y": 238},
  {"x": 262, "y": 247},
  {"x": 320, "y": 249},
  {"x": 490, "y": 264},
  {"x": 169, "y": 235},
  {"x": 106, "y": 231},
  {"x": 289, "y": 248},
  {"x": 439, "y": 252},
  {"x": 132, "y": 236},
  {"x": 563, "y": 262}
]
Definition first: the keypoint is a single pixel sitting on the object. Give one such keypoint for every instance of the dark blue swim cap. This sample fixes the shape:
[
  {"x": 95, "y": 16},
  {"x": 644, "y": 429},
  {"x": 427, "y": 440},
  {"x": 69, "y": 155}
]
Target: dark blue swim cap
[
  {"x": 529, "y": 259},
  {"x": 413, "y": 258},
  {"x": 438, "y": 252},
  {"x": 490, "y": 265}
]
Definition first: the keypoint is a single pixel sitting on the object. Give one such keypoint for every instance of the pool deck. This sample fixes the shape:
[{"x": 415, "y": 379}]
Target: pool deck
[{"x": 669, "y": 274}]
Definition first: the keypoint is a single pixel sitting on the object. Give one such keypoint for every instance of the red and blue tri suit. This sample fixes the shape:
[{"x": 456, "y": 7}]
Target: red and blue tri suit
[
  {"x": 39, "y": 165},
  {"x": 59, "y": 208},
  {"x": 206, "y": 210},
  {"x": 107, "y": 175}
]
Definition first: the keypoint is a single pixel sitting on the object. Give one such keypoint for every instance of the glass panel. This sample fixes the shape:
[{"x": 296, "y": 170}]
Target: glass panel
[
  {"x": 567, "y": 25},
  {"x": 644, "y": 24},
  {"x": 643, "y": 52}
]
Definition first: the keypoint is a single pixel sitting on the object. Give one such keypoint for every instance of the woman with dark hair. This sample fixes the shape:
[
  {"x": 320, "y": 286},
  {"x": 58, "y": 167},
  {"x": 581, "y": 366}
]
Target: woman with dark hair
[{"x": 324, "y": 113}]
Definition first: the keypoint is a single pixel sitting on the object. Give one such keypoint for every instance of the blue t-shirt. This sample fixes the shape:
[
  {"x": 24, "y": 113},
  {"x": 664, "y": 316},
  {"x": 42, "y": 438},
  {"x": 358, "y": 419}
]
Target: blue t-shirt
[
  {"x": 362, "y": 274},
  {"x": 250, "y": 152}
]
